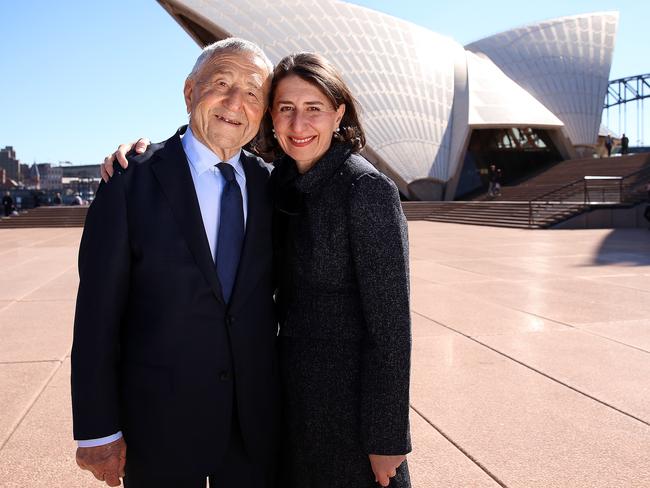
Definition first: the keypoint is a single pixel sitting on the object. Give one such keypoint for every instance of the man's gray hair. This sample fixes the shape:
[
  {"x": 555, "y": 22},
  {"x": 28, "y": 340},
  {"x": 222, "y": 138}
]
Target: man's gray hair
[{"x": 230, "y": 45}]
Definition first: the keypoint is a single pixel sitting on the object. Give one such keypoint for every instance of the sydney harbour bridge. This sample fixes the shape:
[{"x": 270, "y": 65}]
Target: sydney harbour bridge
[{"x": 625, "y": 108}]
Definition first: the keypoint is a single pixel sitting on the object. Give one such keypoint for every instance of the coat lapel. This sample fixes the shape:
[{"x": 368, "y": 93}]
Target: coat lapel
[
  {"x": 249, "y": 271},
  {"x": 173, "y": 173}
]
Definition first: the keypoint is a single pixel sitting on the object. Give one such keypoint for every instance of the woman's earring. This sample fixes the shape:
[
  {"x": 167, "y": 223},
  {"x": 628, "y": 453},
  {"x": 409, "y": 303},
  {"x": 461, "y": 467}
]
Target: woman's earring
[{"x": 274, "y": 136}]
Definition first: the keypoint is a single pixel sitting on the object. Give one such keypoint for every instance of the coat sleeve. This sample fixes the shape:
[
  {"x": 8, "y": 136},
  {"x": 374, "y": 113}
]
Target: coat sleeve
[
  {"x": 379, "y": 244},
  {"x": 104, "y": 263}
]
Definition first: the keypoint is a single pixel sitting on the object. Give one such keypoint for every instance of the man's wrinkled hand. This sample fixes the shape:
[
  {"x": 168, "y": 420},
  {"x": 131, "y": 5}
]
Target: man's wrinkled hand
[
  {"x": 385, "y": 467},
  {"x": 138, "y": 146},
  {"x": 105, "y": 462}
]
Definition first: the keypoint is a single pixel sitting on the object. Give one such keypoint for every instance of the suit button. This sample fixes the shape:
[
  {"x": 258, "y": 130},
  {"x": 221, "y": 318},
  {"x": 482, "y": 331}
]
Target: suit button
[
  {"x": 223, "y": 376},
  {"x": 230, "y": 320}
]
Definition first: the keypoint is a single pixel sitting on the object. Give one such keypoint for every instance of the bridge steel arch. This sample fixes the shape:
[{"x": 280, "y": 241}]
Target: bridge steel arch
[{"x": 631, "y": 91}]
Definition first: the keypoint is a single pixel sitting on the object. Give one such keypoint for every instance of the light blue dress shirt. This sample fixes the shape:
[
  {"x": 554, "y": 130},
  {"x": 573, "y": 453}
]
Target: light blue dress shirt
[{"x": 208, "y": 184}]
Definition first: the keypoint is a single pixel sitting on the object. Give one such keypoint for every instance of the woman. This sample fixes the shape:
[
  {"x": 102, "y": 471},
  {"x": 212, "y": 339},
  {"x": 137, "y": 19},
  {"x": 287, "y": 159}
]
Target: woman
[
  {"x": 342, "y": 258},
  {"x": 341, "y": 249}
]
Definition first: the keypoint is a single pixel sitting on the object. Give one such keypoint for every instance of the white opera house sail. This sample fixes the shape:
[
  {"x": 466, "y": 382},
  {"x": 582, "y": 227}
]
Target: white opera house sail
[{"x": 435, "y": 112}]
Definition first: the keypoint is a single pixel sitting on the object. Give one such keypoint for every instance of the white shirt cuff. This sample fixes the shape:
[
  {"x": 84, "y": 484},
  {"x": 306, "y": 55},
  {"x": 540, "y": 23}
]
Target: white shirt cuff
[{"x": 101, "y": 441}]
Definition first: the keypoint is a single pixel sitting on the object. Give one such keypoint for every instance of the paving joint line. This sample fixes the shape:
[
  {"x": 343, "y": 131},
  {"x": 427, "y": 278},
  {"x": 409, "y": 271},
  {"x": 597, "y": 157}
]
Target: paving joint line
[
  {"x": 460, "y": 448},
  {"x": 521, "y": 363},
  {"x": 31, "y": 404},
  {"x": 36, "y": 361},
  {"x": 41, "y": 285},
  {"x": 50, "y": 238},
  {"x": 595, "y": 279},
  {"x": 16, "y": 264},
  {"x": 587, "y": 331},
  {"x": 555, "y": 321},
  {"x": 33, "y": 244}
]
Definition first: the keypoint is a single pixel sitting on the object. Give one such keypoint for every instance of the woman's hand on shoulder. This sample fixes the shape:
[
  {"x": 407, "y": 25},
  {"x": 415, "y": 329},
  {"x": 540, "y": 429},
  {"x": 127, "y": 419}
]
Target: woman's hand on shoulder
[
  {"x": 138, "y": 146},
  {"x": 385, "y": 467}
]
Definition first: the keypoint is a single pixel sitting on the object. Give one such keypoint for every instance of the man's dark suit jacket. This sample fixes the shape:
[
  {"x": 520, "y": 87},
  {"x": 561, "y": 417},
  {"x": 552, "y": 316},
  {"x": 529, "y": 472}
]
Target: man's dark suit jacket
[{"x": 157, "y": 353}]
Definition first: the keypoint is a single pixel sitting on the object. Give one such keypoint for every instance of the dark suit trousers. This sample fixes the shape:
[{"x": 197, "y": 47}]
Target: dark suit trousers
[{"x": 236, "y": 471}]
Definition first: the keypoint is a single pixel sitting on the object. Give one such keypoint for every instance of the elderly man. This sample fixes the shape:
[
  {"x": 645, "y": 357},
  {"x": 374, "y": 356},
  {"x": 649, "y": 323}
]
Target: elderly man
[{"x": 174, "y": 338}]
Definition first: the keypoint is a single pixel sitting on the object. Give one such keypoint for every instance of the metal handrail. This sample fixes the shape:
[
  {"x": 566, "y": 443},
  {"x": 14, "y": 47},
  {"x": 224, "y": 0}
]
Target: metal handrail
[
  {"x": 559, "y": 193},
  {"x": 642, "y": 176},
  {"x": 585, "y": 186}
]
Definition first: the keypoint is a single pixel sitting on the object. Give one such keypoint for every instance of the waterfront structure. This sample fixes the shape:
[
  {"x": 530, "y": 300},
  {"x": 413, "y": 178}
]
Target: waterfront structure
[{"x": 437, "y": 113}]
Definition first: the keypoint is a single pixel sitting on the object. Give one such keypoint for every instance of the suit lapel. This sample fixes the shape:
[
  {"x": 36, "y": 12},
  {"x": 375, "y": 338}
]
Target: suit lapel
[
  {"x": 248, "y": 272},
  {"x": 173, "y": 173}
]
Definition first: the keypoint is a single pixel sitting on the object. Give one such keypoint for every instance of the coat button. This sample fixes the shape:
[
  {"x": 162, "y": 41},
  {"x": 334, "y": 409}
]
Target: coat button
[
  {"x": 223, "y": 376},
  {"x": 230, "y": 320}
]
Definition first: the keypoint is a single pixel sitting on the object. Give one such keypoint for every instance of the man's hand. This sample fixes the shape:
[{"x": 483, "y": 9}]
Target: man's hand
[
  {"x": 105, "y": 462},
  {"x": 385, "y": 467},
  {"x": 138, "y": 146}
]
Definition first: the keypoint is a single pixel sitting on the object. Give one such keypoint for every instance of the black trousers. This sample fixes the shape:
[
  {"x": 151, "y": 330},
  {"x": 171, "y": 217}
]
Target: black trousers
[{"x": 236, "y": 471}]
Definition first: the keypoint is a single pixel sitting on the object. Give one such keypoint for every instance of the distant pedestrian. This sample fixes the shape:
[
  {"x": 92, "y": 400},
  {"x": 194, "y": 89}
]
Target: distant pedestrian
[
  {"x": 494, "y": 176},
  {"x": 608, "y": 145},
  {"x": 57, "y": 200},
  {"x": 625, "y": 144},
  {"x": 8, "y": 204}
]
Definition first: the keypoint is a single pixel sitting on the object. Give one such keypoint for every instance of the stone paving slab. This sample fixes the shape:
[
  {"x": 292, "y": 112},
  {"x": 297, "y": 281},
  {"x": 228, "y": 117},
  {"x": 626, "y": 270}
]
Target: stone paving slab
[
  {"x": 553, "y": 300},
  {"x": 63, "y": 287},
  {"x": 571, "y": 356},
  {"x": 20, "y": 384},
  {"x": 436, "y": 463},
  {"x": 530, "y": 358},
  {"x": 630, "y": 332},
  {"x": 36, "y": 333},
  {"x": 40, "y": 454},
  {"x": 526, "y": 430},
  {"x": 637, "y": 281},
  {"x": 473, "y": 314},
  {"x": 18, "y": 282}
]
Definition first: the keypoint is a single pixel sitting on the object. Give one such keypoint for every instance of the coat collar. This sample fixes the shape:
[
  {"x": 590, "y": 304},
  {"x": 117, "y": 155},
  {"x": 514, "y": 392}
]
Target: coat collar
[{"x": 314, "y": 179}]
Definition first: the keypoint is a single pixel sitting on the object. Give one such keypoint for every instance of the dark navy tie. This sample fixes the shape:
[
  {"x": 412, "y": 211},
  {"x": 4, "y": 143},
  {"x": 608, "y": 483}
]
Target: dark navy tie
[{"x": 231, "y": 231}]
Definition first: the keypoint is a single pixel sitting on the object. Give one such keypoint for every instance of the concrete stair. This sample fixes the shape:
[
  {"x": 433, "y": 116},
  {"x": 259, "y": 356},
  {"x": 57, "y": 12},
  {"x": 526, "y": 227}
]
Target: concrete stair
[
  {"x": 565, "y": 172},
  {"x": 495, "y": 214},
  {"x": 512, "y": 208},
  {"x": 59, "y": 216}
]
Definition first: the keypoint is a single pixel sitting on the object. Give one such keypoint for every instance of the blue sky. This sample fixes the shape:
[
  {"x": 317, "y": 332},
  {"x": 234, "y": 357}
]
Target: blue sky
[{"x": 78, "y": 77}]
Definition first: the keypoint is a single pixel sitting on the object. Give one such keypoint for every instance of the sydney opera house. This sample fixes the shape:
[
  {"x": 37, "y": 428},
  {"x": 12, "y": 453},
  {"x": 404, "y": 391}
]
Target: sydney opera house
[{"x": 436, "y": 113}]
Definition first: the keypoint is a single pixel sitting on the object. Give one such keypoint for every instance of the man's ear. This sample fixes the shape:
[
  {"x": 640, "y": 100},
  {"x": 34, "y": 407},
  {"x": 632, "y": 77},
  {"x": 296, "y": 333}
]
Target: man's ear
[{"x": 187, "y": 91}]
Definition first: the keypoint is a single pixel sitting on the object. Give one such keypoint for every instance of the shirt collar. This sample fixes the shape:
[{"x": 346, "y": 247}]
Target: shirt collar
[{"x": 203, "y": 159}]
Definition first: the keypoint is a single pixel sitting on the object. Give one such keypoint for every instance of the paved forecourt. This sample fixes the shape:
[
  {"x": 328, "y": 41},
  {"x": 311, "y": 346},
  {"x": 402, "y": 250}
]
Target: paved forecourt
[{"x": 531, "y": 357}]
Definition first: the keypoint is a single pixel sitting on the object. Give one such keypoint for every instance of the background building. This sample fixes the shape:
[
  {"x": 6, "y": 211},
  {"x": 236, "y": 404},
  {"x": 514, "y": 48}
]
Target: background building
[
  {"x": 9, "y": 163},
  {"x": 51, "y": 177}
]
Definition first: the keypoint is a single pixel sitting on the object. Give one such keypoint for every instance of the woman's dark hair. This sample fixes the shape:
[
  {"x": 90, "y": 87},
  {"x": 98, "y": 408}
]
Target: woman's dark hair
[{"x": 315, "y": 69}]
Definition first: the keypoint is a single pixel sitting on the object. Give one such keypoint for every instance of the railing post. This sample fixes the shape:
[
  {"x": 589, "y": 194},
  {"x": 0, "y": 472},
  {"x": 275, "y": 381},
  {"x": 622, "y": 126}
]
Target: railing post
[{"x": 620, "y": 190}]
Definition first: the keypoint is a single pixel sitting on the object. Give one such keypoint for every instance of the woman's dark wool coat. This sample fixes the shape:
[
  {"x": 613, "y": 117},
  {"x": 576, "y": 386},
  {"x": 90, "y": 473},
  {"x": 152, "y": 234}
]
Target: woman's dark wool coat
[{"x": 342, "y": 253}]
